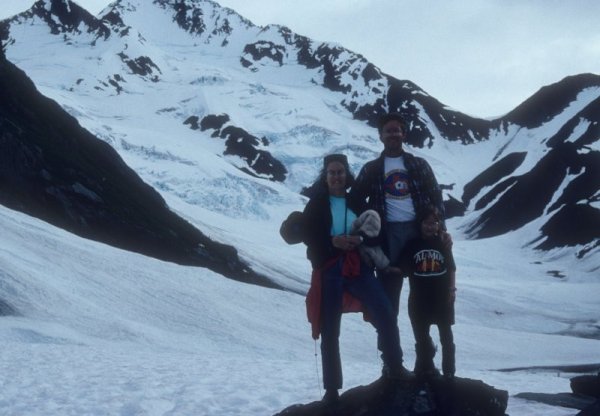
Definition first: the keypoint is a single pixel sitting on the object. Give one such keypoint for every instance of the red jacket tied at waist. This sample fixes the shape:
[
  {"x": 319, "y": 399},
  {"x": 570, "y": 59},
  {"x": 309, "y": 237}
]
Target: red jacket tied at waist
[{"x": 350, "y": 269}]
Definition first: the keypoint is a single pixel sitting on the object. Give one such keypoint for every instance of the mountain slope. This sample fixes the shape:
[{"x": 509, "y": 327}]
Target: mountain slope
[
  {"x": 561, "y": 183},
  {"x": 228, "y": 121},
  {"x": 161, "y": 338},
  {"x": 53, "y": 169}
]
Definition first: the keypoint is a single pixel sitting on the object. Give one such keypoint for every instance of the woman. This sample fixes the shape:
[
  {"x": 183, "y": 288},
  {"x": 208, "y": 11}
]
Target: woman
[{"x": 339, "y": 272}]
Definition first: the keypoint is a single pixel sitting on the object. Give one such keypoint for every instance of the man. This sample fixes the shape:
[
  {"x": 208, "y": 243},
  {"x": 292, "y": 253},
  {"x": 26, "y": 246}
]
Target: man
[{"x": 397, "y": 185}]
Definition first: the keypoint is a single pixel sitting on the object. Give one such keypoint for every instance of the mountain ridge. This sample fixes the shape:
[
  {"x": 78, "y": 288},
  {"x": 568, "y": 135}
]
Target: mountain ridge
[
  {"x": 53, "y": 169},
  {"x": 303, "y": 99}
]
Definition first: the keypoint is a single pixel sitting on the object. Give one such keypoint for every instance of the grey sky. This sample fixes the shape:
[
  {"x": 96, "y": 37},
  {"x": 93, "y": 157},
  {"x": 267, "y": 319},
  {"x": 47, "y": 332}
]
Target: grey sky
[{"x": 482, "y": 57}]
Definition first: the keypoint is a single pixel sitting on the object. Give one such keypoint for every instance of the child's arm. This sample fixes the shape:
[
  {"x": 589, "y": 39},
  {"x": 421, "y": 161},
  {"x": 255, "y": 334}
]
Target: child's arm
[
  {"x": 446, "y": 240},
  {"x": 452, "y": 286},
  {"x": 452, "y": 276}
]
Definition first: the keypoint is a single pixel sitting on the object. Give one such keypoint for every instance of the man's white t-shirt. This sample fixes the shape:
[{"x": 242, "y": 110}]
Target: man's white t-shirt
[{"x": 398, "y": 199}]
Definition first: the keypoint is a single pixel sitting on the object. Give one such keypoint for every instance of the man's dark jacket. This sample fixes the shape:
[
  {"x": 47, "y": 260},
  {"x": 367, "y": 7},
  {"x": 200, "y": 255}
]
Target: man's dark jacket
[{"x": 423, "y": 186}]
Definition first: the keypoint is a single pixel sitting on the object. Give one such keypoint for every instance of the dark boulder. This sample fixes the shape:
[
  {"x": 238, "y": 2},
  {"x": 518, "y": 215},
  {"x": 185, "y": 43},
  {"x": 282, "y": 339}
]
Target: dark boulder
[
  {"x": 585, "y": 390},
  {"x": 588, "y": 385},
  {"x": 592, "y": 410},
  {"x": 460, "y": 397}
]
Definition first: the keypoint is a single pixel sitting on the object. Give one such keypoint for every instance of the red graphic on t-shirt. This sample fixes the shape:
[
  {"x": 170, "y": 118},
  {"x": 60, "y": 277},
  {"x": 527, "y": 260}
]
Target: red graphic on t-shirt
[
  {"x": 396, "y": 184},
  {"x": 429, "y": 262}
]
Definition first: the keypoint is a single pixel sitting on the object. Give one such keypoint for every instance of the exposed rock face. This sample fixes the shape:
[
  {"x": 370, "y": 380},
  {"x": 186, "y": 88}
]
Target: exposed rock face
[
  {"x": 64, "y": 16},
  {"x": 550, "y": 101},
  {"x": 546, "y": 165},
  {"x": 53, "y": 169},
  {"x": 563, "y": 182},
  {"x": 238, "y": 142},
  {"x": 492, "y": 175},
  {"x": 263, "y": 50},
  {"x": 142, "y": 66},
  {"x": 587, "y": 385},
  {"x": 460, "y": 397}
]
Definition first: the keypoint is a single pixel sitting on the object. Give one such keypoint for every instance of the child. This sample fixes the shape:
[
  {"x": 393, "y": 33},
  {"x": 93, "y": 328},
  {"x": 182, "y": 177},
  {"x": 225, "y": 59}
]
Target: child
[{"x": 431, "y": 271}]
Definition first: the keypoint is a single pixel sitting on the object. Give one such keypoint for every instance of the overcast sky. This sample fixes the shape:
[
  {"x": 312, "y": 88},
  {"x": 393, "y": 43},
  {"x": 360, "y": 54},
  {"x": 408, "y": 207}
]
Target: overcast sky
[{"x": 481, "y": 57}]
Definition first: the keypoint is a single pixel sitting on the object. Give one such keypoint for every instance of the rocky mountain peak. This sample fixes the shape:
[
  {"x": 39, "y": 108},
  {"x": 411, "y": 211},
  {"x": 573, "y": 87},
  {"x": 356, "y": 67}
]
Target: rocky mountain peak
[
  {"x": 174, "y": 64},
  {"x": 551, "y": 100},
  {"x": 67, "y": 17}
]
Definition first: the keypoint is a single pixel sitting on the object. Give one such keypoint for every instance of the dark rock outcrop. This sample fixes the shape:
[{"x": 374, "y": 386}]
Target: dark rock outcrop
[
  {"x": 521, "y": 199},
  {"x": 563, "y": 183},
  {"x": 591, "y": 410},
  {"x": 214, "y": 122},
  {"x": 263, "y": 49},
  {"x": 492, "y": 175},
  {"x": 53, "y": 169},
  {"x": 514, "y": 201},
  {"x": 142, "y": 66},
  {"x": 550, "y": 100},
  {"x": 585, "y": 394},
  {"x": 201, "y": 22},
  {"x": 550, "y": 139},
  {"x": 454, "y": 207},
  {"x": 66, "y": 18},
  {"x": 189, "y": 18},
  {"x": 588, "y": 385},
  {"x": 238, "y": 142},
  {"x": 459, "y": 397},
  {"x": 573, "y": 224}
]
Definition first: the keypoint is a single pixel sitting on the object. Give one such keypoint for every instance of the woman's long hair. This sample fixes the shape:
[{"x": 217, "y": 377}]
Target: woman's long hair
[{"x": 320, "y": 184}]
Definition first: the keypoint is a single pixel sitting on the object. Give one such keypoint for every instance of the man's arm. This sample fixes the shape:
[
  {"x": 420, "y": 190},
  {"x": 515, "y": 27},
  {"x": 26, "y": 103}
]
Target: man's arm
[
  {"x": 360, "y": 188},
  {"x": 433, "y": 189}
]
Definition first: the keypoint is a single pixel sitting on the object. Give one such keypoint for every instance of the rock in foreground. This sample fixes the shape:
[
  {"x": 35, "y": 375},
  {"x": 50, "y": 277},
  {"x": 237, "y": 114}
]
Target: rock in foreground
[{"x": 464, "y": 397}]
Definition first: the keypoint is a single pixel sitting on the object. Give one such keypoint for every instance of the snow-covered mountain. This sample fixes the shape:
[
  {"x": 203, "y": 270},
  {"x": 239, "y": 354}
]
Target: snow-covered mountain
[
  {"x": 53, "y": 169},
  {"x": 229, "y": 121}
]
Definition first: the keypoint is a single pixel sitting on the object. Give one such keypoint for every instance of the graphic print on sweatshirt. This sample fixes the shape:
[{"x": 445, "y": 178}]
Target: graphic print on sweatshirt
[{"x": 429, "y": 263}]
